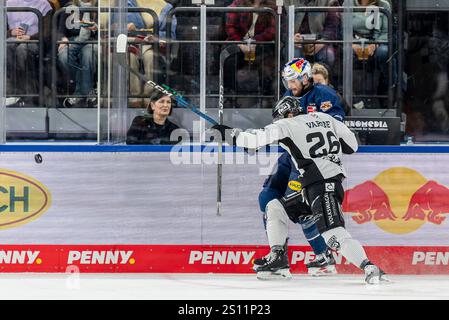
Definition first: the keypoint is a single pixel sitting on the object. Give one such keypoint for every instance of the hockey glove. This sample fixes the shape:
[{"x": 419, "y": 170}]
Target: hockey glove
[{"x": 228, "y": 134}]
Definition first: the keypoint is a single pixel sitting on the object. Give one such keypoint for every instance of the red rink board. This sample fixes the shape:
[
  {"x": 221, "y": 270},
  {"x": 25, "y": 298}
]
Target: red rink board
[{"x": 201, "y": 259}]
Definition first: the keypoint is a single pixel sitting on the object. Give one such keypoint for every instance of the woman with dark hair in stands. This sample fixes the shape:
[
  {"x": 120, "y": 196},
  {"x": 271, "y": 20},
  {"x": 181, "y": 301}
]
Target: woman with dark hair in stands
[{"x": 153, "y": 127}]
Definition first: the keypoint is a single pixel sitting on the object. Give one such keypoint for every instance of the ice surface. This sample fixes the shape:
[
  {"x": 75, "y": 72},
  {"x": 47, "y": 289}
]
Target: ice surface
[{"x": 215, "y": 286}]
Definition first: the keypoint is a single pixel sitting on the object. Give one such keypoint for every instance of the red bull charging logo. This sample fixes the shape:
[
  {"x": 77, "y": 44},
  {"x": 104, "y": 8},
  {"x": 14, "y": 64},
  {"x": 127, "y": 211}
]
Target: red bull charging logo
[
  {"x": 299, "y": 65},
  {"x": 398, "y": 200}
]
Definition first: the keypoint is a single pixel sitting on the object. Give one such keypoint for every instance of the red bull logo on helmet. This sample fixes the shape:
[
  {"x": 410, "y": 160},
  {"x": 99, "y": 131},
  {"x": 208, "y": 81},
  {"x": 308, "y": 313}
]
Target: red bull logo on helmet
[
  {"x": 298, "y": 65},
  {"x": 294, "y": 69},
  {"x": 398, "y": 200}
]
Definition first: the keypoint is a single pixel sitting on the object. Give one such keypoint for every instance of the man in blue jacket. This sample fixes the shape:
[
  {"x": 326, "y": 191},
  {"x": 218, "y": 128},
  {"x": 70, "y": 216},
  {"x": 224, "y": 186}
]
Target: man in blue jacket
[{"x": 298, "y": 80}]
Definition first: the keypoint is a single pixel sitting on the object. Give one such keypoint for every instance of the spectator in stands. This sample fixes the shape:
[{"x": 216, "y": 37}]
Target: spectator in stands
[
  {"x": 153, "y": 127},
  {"x": 58, "y": 4},
  {"x": 143, "y": 22},
  {"x": 245, "y": 26},
  {"x": 316, "y": 26},
  {"x": 22, "y": 56},
  {"x": 320, "y": 75},
  {"x": 79, "y": 59},
  {"x": 374, "y": 29}
]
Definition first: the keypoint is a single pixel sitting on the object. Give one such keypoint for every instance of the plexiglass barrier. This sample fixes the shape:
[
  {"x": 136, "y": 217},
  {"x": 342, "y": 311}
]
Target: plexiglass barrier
[{"x": 76, "y": 90}]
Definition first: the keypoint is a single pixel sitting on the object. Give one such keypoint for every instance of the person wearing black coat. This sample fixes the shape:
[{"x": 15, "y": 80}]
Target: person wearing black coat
[{"x": 154, "y": 126}]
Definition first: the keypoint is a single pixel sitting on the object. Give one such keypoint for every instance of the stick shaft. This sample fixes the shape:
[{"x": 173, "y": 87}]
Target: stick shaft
[
  {"x": 228, "y": 51},
  {"x": 166, "y": 90}
]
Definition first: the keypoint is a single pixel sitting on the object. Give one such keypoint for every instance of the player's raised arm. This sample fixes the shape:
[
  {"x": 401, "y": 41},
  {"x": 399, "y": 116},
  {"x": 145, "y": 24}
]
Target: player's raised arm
[
  {"x": 252, "y": 138},
  {"x": 255, "y": 139},
  {"x": 285, "y": 108}
]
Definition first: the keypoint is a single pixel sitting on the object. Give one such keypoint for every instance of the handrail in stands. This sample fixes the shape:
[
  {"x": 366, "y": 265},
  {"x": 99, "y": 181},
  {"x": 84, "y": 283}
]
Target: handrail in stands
[
  {"x": 55, "y": 42},
  {"x": 359, "y": 9},
  {"x": 271, "y": 11},
  {"x": 40, "y": 44}
]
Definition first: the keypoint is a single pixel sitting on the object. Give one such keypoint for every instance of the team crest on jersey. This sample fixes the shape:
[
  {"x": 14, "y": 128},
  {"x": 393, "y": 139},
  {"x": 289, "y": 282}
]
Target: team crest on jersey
[
  {"x": 295, "y": 185},
  {"x": 311, "y": 108},
  {"x": 326, "y": 106}
]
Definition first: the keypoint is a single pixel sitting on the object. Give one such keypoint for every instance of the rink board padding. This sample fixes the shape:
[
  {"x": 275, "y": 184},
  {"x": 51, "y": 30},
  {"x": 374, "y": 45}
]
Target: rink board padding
[
  {"x": 144, "y": 197},
  {"x": 201, "y": 259}
]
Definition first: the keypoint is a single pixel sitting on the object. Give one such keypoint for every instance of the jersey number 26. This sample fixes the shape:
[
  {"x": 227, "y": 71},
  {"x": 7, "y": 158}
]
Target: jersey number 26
[{"x": 320, "y": 148}]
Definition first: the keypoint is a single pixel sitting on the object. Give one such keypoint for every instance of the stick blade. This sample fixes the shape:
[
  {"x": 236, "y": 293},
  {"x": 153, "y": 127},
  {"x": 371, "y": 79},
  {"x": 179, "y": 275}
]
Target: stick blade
[{"x": 219, "y": 209}]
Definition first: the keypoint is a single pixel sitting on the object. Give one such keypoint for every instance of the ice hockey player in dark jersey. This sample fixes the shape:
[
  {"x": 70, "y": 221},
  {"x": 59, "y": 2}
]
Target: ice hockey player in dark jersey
[
  {"x": 298, "y": 80},
  {"x": 316, "y": 142},
  {"x": 313, "y": 97}
]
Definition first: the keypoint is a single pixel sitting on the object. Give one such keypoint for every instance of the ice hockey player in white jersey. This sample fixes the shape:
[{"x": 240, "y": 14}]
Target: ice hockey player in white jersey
[{"x": 316, "y": 142}]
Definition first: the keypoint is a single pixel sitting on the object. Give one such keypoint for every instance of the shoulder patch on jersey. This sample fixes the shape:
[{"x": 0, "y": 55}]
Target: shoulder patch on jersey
[
  {"x": 330, "y": 187},
  {"x": 326, "y": 105}
]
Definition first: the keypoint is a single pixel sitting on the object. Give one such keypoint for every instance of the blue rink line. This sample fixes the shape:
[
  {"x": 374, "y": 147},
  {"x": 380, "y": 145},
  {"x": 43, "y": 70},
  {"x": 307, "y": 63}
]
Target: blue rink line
[{"x": 148, "y": 148}]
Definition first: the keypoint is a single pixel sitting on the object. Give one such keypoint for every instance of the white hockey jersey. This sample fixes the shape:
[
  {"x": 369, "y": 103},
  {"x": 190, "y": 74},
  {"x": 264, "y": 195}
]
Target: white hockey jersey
[{"x": 316, "y": 142}]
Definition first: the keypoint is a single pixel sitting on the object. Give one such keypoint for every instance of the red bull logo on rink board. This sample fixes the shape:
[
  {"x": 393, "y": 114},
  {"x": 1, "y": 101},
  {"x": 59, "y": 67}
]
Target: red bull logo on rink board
[{"x": 398, "y": 200}]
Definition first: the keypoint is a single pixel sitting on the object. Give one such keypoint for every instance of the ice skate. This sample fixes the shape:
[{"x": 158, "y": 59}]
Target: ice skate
[
  {"x": 322, "y": 266},
  {"x": 276, "y": 266},
  {"x": 374, "y": 275},
  {"x": 261, "y": 261}
]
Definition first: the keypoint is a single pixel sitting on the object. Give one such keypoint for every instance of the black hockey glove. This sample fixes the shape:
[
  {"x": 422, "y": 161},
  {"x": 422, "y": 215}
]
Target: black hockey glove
[
  {"x": 222, "y": 129},
  {"x": 228, "y": 134}
]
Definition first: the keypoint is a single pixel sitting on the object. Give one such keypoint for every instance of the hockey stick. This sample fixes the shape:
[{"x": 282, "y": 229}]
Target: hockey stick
[
  {"x": 226, "y": 53},
  {"x": 121, "y": 51}
]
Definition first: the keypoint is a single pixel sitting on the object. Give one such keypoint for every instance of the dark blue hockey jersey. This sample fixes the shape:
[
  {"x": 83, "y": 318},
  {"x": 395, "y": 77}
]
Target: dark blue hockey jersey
[
  {"x": 321, "y": 98},
  {"x": 282, "y": 181}
]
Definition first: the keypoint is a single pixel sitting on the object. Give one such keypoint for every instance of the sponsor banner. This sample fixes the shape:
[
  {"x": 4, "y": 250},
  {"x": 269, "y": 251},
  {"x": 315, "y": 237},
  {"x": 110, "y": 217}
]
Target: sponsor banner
[
  {"x": 23, "y": 199},
  {"x": 376, "y": 130},
  {"x": 149, "y": 198},
  {"x": 202, "y": 259}
]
